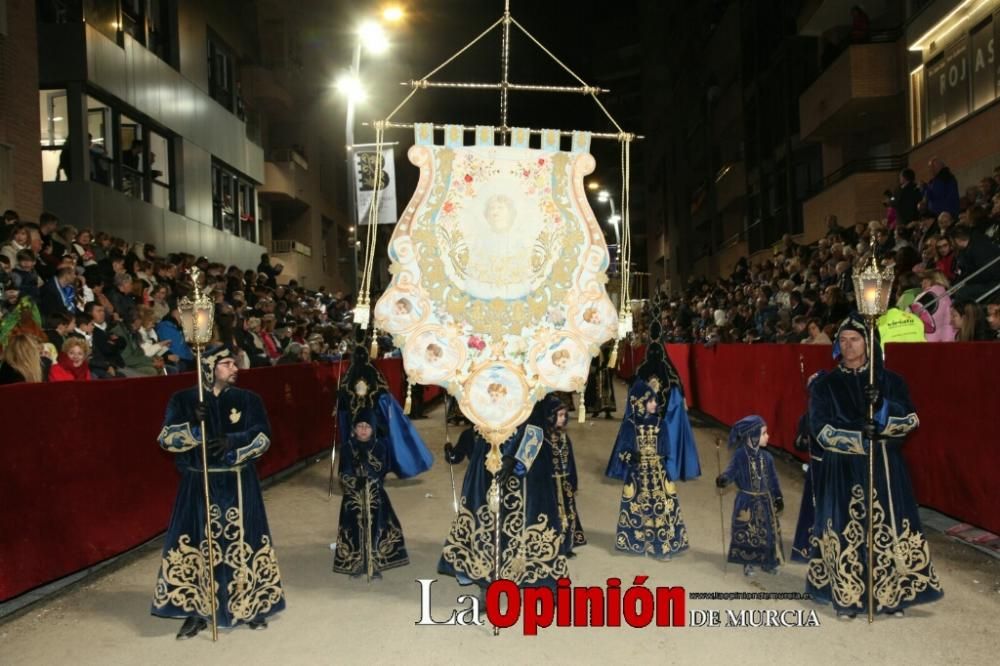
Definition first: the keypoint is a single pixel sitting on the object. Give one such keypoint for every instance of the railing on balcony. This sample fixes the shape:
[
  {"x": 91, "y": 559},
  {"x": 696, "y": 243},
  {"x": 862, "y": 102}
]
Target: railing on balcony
[
  {"x": 288, "y": 155},
  {"x": 287, "y": 246},
  {"x": 832, "y": 52},
  {"x": 865, "y": 164}
]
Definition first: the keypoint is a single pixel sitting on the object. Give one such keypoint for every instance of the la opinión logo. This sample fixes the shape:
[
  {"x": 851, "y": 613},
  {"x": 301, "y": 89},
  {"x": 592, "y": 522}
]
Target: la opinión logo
[{"x": 566, "y": 606}]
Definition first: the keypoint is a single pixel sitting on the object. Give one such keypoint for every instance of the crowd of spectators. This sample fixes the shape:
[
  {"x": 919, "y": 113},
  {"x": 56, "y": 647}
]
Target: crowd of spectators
[
  {"x": 110, "y": 309},
  {"x": 932, "y": 234}
]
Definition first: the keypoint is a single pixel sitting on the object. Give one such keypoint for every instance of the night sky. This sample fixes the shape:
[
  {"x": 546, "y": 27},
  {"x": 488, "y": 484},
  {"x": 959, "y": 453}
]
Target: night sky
[{"x": 435, "y": 29}]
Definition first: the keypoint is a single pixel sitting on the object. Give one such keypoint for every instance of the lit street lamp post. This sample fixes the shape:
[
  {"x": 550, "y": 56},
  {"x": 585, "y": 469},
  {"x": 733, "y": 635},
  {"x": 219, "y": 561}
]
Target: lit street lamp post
[
  {"x": 605, "y": 197},
  {"x": 372, "y": 37},
  {"x": 352, "y": 199}
]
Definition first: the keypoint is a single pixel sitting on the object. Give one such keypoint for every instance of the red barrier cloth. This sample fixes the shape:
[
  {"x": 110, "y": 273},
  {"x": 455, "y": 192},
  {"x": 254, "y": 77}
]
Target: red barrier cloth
[
  {"x": 953, "y": 386},
  {"x": 84, "y": 479},
  {"x": 952, "y": 456}
]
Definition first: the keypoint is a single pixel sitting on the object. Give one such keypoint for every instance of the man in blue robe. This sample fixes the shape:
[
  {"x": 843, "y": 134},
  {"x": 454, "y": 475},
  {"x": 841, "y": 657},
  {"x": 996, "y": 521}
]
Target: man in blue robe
[
  {"x": 530, "y": 530},
  {"x": 246, "y": 579},
  {"x": 903, "y": 573}
]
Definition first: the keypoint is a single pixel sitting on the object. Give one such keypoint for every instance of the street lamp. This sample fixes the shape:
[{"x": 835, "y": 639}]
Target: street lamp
[
  {"x": 393, "y": 14},
  {"x": 872, "y": 286},
  {"x": 605, "y": 197},
  {"x": 370, "y": 35}
]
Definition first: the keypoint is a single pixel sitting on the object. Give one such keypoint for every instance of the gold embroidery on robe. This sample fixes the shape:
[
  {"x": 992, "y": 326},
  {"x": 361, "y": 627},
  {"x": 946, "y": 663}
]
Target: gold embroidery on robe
[
  {"x": 650, "y": 521},
  {"x": 255, "y": 586},
  {"x": 531, "y": 552},
  {"x": 350, "y": 554},
  {"x": 902, "y": 570}
]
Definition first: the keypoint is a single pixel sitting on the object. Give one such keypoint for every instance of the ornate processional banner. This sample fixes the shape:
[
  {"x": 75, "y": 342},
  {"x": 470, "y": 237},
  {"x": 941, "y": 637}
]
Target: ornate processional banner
[{"x": 498, "y": 289}]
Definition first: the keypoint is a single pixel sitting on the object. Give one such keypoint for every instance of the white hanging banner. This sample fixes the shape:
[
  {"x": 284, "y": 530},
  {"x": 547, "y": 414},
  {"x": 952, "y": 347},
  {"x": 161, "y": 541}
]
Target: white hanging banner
[{"x": 364, "y": 184}]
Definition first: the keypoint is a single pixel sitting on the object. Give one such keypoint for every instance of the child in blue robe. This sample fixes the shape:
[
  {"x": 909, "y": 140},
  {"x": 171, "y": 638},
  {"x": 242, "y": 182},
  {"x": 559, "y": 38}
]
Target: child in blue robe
[{"x": 756, "y": 533}]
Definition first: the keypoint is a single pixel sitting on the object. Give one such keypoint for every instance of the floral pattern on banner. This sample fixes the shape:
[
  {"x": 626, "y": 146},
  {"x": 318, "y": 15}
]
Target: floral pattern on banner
[{"x": 502, "y": 246}]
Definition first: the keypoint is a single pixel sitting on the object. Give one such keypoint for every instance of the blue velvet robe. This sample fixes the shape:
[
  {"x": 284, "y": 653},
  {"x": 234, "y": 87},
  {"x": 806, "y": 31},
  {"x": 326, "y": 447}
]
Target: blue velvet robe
[
  {"x": 599, "y": 395},
  {"x": 675, "y": 441},
  {"x": 807, "y": 510},
  {"x": 838, "y": 558},
  {"x": 566, "y": 484},
  {"x": 530, "y": 532},
  {"x": 380, "y": 546},
  {"x": 649, "y": 517},
  {"x": 756, "y": 534},
  {"x": 246, "y": 576}
]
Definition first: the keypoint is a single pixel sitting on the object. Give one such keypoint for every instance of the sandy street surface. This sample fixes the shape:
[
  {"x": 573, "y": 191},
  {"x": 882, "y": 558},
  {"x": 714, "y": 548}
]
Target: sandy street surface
[{"x": 332, "y": 619}]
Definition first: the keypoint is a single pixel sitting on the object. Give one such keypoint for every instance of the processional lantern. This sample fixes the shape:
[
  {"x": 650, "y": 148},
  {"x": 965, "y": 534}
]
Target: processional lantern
[
  {"x": 872, "y": 287},
  {"x": 197, "y": 314}
]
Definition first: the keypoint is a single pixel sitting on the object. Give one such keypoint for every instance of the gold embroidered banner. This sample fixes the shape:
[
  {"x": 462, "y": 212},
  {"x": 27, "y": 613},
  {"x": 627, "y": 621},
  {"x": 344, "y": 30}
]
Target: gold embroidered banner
[{"x": 498, "y": 289}]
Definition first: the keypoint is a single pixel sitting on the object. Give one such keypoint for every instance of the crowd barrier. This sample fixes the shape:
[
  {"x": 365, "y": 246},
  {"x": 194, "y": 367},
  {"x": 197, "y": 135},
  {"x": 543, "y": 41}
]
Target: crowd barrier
[
  {"x": 83, "y": 478},
  {"x": 951, "y": 456}
]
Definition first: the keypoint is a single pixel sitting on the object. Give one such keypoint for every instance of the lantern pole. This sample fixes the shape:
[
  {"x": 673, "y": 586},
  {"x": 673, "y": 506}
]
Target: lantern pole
[
  {"x": 870, "y": 321},
  {"x": 196, "y": 338},
  {"x": 871, "y": 288}
]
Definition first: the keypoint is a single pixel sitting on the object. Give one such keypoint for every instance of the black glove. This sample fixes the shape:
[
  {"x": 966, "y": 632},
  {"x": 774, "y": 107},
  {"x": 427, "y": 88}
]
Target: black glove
[
  {"x": 779, "y": 504},
  {"x": 450, "y": 455},
  {"x": 199, "y": 412},
  {"x": 219, "y": 446},
  {"x": 506, "y": 470},
  {"x": 870, "y": 430},
  {"x": 872, "y": 395},
  {"x": 721, "y": 482}
]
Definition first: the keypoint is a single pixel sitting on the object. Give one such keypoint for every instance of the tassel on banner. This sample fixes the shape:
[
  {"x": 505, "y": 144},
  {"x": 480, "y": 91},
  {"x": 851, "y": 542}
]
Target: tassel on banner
[
  {"x": 613, "y": 359},
  {"x": 581, "y": 415},
  {"x": 409, "y": 399},
  {"x": 373, "y": 352},
  {"x": 362, "y": 314}
]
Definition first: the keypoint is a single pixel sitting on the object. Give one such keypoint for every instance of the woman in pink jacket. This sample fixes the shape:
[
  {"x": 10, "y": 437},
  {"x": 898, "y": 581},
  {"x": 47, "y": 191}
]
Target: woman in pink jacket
[{"x": 933, "y": 306}]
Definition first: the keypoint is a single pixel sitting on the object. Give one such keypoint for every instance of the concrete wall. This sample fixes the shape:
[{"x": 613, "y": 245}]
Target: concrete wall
[
  {"x": 136, "y": 221},
  {"x": 857, "y": 198},
  {"x": 19, "y": 131},
  {"x": 861, "y": 71},
  {"x": 140, "y": 79},
  {"x": 971, "y": 148}
]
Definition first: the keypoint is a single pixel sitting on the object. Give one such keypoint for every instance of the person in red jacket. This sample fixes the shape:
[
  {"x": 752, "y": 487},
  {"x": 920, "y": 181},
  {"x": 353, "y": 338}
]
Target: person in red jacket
[
  {"x": 946, "y": 257},
  {"x": 72, "y": 363}
]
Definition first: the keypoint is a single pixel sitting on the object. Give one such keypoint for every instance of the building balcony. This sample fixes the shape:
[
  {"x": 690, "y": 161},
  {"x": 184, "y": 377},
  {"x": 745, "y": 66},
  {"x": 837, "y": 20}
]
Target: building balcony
[
  {"x": 290, "y": 246},
  {"x": 286, "y": 174},
  {"x": 860, "y": 90},
  {"x": 295, "y": 259},
  {"x": 730, "y": 184},
  {"x": 261, "y": 89}
]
